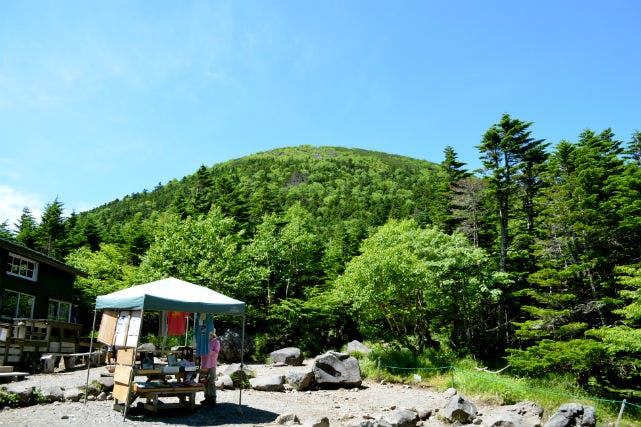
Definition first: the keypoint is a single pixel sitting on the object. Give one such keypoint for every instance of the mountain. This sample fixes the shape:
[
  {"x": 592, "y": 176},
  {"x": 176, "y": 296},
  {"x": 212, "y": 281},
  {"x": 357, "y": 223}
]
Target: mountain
[{"x": 336, "y": 185}]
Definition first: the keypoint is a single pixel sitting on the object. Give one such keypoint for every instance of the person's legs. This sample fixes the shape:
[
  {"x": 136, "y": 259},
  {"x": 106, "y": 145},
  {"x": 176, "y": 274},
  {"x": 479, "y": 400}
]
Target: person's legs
[{"x": 210, "y": 388}]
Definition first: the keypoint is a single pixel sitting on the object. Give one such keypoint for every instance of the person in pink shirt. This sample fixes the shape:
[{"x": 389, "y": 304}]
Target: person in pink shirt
[{"x": 208, "y": 365}]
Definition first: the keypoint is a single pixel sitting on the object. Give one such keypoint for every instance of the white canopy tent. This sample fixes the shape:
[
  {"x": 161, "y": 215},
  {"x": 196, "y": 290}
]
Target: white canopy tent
[{"x": 170, "y": 294}]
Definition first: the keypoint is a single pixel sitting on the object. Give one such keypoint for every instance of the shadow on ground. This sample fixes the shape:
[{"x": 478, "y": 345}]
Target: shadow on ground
[{"x": 221, "y": 414}]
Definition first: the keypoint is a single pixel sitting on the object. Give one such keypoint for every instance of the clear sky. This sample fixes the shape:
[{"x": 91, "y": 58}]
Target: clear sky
[{"x": 102, "y": 99}]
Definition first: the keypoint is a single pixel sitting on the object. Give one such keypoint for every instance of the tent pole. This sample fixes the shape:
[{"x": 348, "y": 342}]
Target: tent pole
[
  {"x": 93, "y": 328},
  {"x": 242, "y": 370}
]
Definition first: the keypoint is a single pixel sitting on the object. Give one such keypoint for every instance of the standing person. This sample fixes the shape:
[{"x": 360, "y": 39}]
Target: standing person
[{"x": 208, "y": 365}]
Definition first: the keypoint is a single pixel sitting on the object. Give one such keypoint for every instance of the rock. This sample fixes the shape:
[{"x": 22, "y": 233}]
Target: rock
[
  {"x": 268, "y": 383},
  {"x": 240, "y": 377},
  {"x": 287, "y": 420},
  {"x": 520, "y": 414},
  {"x": 300, "y": 380},
  {"x": 320, "y": 422},
  {"x": 401, "y": 418},
  {"x": 458, "y": 408},
  {"x": 106, "y": 383},
  {"x": 22, "y": 391},
  {"x": 224, "y": 382},
  {"x": 289, "y": 356},
  {"x": 573, "y": 414},
  {"x": 231, "y": 345},
  {"x": 73, "y": 394},
  {"x": 147, "y": 347},
  {"x": 337, "y": 369},
  {"x": 358, "y": 347},
  {"x": 53, "y": 393}
]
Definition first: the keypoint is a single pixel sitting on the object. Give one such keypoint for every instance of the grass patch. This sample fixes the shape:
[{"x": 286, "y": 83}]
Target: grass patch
[{"x": 549, "y": 392}]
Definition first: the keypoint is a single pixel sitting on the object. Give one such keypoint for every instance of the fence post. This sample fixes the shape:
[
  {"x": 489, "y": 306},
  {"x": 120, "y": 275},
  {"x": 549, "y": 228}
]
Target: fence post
[
  {"x": 620, "y": 413},
  {"x": 379, "y": 370},
  {"x": 452, "y": 371}
]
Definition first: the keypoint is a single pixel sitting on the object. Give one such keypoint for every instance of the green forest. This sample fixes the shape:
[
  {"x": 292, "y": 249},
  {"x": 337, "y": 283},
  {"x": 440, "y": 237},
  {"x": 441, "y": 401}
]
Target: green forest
[{"x": 535, "y": 260}]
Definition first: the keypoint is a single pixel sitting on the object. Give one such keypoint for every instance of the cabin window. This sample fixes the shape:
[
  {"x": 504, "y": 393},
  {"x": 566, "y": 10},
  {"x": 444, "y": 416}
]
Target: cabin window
[
  {"x": 16, "y": 305},
  {"x": 59, "y": 310},
  {"x": 22, "y": 267}
]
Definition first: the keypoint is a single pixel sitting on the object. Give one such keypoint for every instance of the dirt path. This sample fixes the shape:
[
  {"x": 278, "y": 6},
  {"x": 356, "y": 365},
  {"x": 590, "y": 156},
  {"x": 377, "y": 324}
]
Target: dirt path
[{"x": 258, "y": 408}]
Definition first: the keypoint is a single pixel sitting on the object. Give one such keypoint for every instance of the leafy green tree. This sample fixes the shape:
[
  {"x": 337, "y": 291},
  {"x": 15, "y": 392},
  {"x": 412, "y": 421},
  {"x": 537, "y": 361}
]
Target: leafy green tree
[
  {"x": 414, "y": 285},
  {"x": 107, "y": 271},
  {"x": 199, "y": 250}
]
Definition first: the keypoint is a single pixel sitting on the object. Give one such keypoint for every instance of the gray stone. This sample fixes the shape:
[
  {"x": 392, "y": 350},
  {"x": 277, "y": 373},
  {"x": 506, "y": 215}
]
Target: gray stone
[
  {"x": 358, "y": 347},
  {"x": 268, "y": 383},
  {"x": 573, "y": 414},
  {"x": 287, "y": 420},
  {"x": 289, "y": 356},
  {"x": 231, "y": 344},
  {"x": 520, "y": 414},
  {"x": 458, "y": 408},
  {"x": 237, "y": 374},
  {"x": 320, "y": 422},
  {"x": 224, "y": 382},
  {"x": 335, "y": 369},
  {"x": 53, "y": 393},
  {"x": 106, "y": 383},
  {"x": 300, "y": 380},
  {"x": 73, "y": 394},
  {"x": 401, "y": 418}
]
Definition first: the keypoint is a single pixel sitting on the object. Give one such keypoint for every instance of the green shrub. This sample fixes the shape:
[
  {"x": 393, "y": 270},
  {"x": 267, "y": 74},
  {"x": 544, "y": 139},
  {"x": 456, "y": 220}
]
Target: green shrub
[{"x": 8, "y": 399}]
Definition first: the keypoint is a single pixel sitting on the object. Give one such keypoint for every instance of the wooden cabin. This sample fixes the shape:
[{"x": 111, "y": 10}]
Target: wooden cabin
[{"x": 36, "y": 310}]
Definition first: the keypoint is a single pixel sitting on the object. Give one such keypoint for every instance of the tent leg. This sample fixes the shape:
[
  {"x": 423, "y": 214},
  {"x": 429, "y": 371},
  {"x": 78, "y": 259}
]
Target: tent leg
[
  {"x": 93, "y": 328},
  {"x": 242, "y": 354}
]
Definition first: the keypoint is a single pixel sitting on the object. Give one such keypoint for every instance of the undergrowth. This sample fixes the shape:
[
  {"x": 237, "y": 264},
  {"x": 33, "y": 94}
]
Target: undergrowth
[{"x": 442, "y": 371}]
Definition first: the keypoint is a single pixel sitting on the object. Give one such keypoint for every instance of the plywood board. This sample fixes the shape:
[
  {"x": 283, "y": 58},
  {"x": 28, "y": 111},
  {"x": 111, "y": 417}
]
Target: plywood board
[
  {"x": 122, "y": 374},
  {"x": 121, "y": 392},
  {"x": 107, "y": 331},
  {"x": 125, "y": 356}
]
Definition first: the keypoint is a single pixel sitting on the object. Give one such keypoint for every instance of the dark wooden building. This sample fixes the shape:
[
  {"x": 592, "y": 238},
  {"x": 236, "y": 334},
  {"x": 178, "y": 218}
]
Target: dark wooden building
[{"x": 36, "y": 310}]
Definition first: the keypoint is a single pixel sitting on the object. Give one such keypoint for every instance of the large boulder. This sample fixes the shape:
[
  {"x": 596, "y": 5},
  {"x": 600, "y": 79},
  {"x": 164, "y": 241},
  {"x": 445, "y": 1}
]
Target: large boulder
[
  {"x": 268, "y": 383},
  {"x": 287, "y": 356},
  {"x": 573, "y": 414},
  {"x": 520, "y": 414},
  {"x": 334, "y": 369},
  {"x": 231, "y": 343},
  {"x": 457, "y": 407}
]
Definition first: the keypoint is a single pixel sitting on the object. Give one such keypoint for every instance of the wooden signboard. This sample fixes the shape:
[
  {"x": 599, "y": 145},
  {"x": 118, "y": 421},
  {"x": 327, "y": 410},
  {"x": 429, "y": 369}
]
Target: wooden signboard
[{"x": 107, "y": 329}]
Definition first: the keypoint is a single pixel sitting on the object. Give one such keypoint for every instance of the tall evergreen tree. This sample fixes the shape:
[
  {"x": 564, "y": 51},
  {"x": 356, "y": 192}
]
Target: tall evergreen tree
[
  {"x": 502, "y": 152},
  {"x": 5, "y": 232},
  {"x": 27, "y": 228},
  {"x": 454, "y": 172},
  {"x": 52, "y": 229}
]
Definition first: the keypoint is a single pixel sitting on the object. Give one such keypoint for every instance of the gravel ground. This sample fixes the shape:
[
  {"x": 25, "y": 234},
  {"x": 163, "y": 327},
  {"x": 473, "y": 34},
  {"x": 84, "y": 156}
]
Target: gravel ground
[{"x": 258, "y": 408}]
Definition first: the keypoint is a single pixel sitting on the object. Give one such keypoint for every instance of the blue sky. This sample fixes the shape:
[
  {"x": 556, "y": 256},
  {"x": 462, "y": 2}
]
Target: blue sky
[{"x": 102, "y": 99}]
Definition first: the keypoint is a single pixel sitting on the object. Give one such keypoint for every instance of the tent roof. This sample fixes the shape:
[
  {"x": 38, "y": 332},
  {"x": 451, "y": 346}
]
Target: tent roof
[{"x": 171, "y": 294}]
